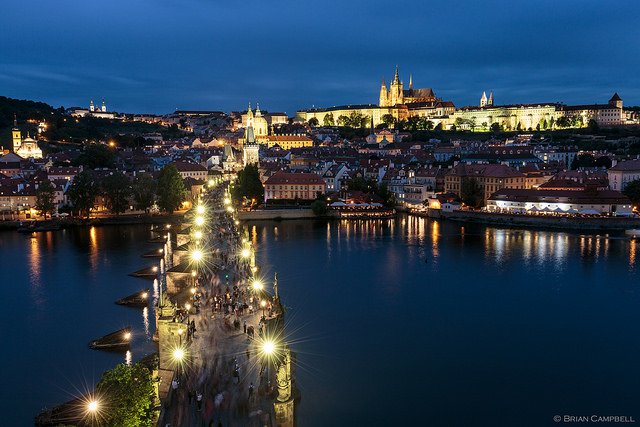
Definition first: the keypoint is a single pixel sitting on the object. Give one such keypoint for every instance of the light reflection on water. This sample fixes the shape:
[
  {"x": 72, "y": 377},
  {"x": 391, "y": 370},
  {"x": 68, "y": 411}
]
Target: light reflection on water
[
  {"x": 145, "y": 320},
  {"x": 467, "y": 312}
]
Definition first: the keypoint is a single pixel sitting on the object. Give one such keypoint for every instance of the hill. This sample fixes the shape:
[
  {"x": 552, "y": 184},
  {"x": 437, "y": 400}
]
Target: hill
[{"x": 61, "y": 127}]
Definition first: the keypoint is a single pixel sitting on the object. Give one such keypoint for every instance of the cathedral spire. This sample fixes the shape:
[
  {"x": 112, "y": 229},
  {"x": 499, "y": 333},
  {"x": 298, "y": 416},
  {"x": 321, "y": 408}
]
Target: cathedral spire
[
  {"x": 258, "y": 113},
  {"x": 384, "y": 85},
  {"x": 410, "y": 81},
  {"x": 396, "y": 78}
]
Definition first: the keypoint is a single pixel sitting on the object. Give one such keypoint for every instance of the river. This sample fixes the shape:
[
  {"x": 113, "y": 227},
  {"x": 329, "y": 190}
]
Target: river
[{"x": 395, "y": 322}]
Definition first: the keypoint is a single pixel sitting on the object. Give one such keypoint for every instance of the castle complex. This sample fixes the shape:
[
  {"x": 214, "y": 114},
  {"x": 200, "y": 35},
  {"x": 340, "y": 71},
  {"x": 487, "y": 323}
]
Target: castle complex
[{"x": 403, "y": 104}]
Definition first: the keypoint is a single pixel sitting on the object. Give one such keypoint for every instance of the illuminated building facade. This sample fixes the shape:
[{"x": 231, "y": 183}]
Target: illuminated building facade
[{"x": 27, "y": 147}]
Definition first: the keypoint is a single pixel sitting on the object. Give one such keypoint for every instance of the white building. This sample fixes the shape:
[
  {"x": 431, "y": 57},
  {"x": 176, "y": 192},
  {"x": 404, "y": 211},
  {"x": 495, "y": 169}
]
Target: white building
[
  {"x": 623, "y": 173},
  {"x": 512, "y": 200}
]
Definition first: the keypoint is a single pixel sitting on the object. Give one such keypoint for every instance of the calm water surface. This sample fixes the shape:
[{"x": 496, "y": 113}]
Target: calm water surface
[{"x": 403, "y": 322}]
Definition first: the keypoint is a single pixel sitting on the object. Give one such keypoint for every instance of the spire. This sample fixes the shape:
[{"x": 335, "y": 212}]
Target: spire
[
  {"x": 396, "y": 77},
  {"x": 490, "y": 101},
  {"x": 15, "y": 121},
  {"x": 249, "y": 136},
  {"x": 258, "y": 113},
  {"x": 483, "y": 99},
  {"x": 275, "y": 285},
  {"x": 384, "y": 85},
  {"x": 410, "y": 81}
]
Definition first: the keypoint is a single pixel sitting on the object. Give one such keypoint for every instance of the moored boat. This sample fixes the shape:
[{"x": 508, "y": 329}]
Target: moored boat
[
  {"x": 139, "y": 299},
  {"x": 120, "y": 339}
]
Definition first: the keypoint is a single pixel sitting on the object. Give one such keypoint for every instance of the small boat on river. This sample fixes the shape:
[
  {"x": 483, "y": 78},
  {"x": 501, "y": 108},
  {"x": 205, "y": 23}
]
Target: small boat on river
[
  {"x": 139, "y": 299},
  {"x": 118, "y": 340}
]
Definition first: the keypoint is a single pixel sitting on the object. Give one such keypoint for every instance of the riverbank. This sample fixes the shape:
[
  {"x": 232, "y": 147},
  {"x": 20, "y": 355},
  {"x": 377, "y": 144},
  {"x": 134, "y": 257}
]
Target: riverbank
[
  {"x": 543, "y": 221},
  {"x": 282, "y": 214},
  {"x": 59, "y": 223}
]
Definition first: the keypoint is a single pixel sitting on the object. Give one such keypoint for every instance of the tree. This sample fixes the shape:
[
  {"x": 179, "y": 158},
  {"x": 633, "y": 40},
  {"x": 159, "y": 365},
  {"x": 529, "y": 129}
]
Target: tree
[
  {"x": 632, "y": 191},
  {"x": 593, "y": 126},
  {"x": 45, "y": 198},
  {"x": 143, "y": 191},
  {"x": 388, "y": 120},
  {"x": 82, "y": 193},
  {"x": 563, "y": 122},
  {"x": 387, "y": 196},
  {"x": 96, "y": 156},
  {"x": 319, "y": 207},
  {"x": 328, "y": 119},
  {"x": 603, "y": 162},
  {"x": 343, "y": 120},
  {"x": 117, "y": 190},
  {"x": 471, "y": 192},
  {"x": 171, "y": 191},
  {"x": 585, "y": 160},
  {"x": 248, "y": 184},
  {"x": 313, "y": 122},
  {"x": 127, "y": 391},
  {"x": 357, "y": 120},
  {"x": 495, "y": 127}
]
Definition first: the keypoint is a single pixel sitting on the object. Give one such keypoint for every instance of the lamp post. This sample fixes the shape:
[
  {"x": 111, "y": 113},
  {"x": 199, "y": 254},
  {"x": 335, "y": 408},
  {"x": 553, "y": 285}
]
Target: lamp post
[
  {"x": 263, "y": 304},
  {"x": 187, "y": 306},
  {"x": 268, "y": 350},
  {"x": 178, "y": 357},
  {"x": 92, "y": 410}
]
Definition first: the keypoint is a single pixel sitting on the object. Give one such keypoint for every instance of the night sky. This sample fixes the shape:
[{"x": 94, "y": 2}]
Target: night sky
[{"x": 158, "y": 55}]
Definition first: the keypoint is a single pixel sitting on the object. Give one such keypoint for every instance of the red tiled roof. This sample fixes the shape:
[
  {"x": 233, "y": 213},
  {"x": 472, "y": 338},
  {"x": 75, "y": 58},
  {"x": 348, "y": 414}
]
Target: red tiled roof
[
  {"x": 280, "y": 178},
  {"x": 188, "y": 167},
  {"x": 289, "y": 138},
  {"x": 629, "y": 165},
  {"x": 491, "y": 170}
]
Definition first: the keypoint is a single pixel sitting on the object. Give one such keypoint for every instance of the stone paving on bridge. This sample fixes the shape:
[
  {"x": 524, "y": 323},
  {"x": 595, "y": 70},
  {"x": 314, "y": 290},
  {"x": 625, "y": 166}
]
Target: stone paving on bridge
[{"x": 225, "y": 380}]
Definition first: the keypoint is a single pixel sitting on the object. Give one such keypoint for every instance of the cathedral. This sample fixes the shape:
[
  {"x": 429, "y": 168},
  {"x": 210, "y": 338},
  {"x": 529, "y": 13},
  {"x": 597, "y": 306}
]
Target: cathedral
[
  {"x": 27, "y": 147},
  {"x": 397, "y": 95}
]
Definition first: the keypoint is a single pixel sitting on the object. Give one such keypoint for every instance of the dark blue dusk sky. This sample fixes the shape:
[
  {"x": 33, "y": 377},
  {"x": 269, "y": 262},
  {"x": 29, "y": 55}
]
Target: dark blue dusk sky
[{"x": 158, "y": 55}]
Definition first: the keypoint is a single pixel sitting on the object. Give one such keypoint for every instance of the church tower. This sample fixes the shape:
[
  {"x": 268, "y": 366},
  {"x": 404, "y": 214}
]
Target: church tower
[
  {"x": 92, "y": 107},
  {"x": 483, "y": 99},
  {"x": 616, "y": 101},
  {"x": 490, "y": 100},
  {"x": 384, "y": 102},
  {"x": 16, "y": 136},
  {"x": 397, "y": 96},
  {"x": 104, "y": 106},
  {"x": 251, "y": 148}
]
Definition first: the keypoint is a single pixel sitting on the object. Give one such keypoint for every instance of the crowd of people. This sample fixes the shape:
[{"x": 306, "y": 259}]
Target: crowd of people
[{"x": 216, "y": 386}]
